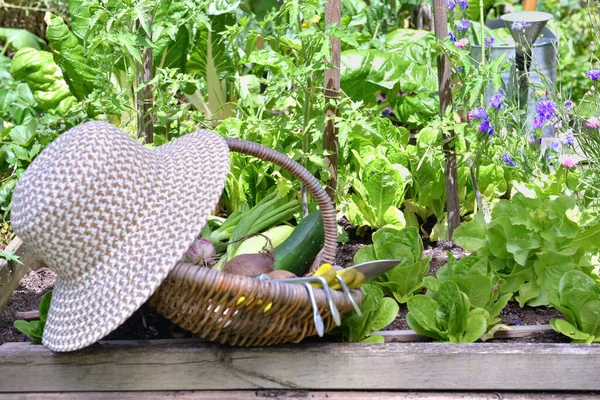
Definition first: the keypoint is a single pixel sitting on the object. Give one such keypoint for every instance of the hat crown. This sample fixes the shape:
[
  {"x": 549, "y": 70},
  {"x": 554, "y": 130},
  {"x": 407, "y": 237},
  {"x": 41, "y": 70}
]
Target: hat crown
[{"x": 80, "y": 196}]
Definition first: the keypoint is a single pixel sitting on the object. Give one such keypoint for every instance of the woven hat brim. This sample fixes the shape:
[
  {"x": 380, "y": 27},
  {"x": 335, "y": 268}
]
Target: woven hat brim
[{"x": 190, "y": 177}]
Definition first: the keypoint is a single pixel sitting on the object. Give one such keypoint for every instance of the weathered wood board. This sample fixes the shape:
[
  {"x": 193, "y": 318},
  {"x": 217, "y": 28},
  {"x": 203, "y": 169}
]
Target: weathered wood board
[
  {"x": 157, "y": 366},
  {"x": 12, "y": 272},
  {"x": 296, "y": 394}
]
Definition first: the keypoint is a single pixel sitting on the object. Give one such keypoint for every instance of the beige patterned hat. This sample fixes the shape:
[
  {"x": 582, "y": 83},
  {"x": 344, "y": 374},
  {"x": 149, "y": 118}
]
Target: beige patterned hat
[{"x": 112, "y": 218}]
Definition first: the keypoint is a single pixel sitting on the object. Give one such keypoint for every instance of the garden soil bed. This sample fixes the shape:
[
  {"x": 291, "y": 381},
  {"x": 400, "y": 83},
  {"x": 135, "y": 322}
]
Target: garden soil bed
[{"x": 146, "y": 324}]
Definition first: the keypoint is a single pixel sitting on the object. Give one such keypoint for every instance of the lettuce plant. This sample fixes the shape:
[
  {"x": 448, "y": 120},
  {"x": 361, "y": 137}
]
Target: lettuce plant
[
  {"x": 404, "y": 280},
  {"x": 477, "y": 280},
  {"x": 378, "y": 312},
  {"x": 578, "y": 298},
  {"x": 446, "y": 315},
  {"x": 35, "y": 329},
  {"x": 531, "y": 241}
]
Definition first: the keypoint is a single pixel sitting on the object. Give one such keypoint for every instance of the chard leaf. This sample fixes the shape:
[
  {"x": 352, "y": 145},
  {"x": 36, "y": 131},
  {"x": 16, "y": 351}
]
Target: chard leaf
[
  {"x": 20, "y": 39},
  {"x": 78, "y": 71}
]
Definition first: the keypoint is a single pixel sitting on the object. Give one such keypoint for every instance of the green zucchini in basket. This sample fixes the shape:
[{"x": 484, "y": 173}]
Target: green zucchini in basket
[{"x": 299, "y": 250}]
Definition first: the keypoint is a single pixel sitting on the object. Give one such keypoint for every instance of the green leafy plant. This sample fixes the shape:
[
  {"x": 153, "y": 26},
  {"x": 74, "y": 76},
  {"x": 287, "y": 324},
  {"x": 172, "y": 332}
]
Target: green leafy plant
[
  {"x": 404, "y": 280},
  {"x": 578, "y": 298},
  {"x": 29, "y": 120},
  {"x": 531, "y": 241},
  {"x": 446, "y": 315},
  {"x": 38, "y": 69},
  {"x": 35, "y": 329},
  {"x": 474, "y": 277},
  {"x": 378, "y": 192},
  {"x": 378, "y": 312}
]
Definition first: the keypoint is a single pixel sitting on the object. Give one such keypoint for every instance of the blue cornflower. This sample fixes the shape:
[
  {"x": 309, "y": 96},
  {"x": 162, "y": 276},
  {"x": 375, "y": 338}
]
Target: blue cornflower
[
  {"x": 463, "y": 24},
  {"x": 496, "y": 100},
  {"x": 477, "y": 113},
  {"x": 464, "y": 4},
  {"x": 489, "y": 41},
  {"x": 567, "y": 138},
  {"x": 506, "y": 157},
  {"x": 486, "y": 127},
  {"x": 545, "y": 109},
  {"x": 594, "y": 74},
  {"x": 519, "y": 25},
  {"x": 452, "y": 37},
  {"x": 538, "y": 123},
  {"x": 569, "y": 105},
  {"x": 451, "y": 4},
  {"x": 555, "y": 145}
]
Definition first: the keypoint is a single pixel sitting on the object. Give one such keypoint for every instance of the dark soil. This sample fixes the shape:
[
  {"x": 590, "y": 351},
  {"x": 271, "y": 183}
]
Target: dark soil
[
  {"x": 146, "y": 324},
  {"x": 25, "y": 298}
]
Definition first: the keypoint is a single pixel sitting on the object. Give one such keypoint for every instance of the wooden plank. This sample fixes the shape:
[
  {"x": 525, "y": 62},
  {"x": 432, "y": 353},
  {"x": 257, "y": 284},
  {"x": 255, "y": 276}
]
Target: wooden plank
[
  {"x": 12, "y": 272},
  {"x": 445, "y": 93},
  {"x": 309, "y": 366},
  {"x": 408, "y": 335},
  {"x": 292, "y": 394}
]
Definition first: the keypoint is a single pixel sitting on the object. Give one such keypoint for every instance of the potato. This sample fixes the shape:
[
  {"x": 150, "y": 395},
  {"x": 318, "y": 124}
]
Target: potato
[
  {"x": 250, "y": 264},
  {"x": 282, "y": 274}
]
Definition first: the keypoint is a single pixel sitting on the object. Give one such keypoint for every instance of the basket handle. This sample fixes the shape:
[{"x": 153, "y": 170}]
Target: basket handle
[{"x": 309, "y": 181}]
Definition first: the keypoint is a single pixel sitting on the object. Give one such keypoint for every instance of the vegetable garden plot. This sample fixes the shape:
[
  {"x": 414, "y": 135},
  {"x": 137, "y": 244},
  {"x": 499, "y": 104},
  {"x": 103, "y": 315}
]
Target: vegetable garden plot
[{"x": 529, "y": 213}]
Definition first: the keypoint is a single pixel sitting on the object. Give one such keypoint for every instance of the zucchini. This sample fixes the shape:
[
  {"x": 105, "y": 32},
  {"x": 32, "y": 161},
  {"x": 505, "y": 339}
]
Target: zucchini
[{"x": 299, "y": 250}]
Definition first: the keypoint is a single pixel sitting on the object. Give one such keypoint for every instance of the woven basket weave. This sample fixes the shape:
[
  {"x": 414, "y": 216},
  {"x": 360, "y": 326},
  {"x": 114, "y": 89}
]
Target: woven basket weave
[{"x": 244, "y": 311}]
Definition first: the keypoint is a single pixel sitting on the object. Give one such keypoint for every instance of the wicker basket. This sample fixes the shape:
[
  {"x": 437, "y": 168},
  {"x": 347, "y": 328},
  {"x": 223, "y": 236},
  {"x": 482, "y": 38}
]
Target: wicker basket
[{"x": 244, "y": 311}]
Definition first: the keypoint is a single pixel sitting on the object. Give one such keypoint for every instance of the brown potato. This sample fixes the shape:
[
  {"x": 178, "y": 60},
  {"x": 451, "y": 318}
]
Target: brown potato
[
  {"x": 282, "y": 274},
  {"x": 250, "y": 264}
]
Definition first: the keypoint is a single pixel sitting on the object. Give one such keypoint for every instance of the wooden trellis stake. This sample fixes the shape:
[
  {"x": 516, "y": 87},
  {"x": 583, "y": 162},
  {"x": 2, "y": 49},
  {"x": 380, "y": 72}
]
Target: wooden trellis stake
[
  {"x": 333, "y": 15},
  {"x": 443, "y": 64}
]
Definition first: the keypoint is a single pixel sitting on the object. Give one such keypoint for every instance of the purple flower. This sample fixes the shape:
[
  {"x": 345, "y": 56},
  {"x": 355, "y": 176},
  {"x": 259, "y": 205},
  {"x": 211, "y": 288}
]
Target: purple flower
[
  {"x": 486, "y": 127},
  {"x": 451, "y": 4},
  {"x": 452, "y": 37},
  {"x": 477, "y": 113},
  {"x": 594, "y": 74},
  {"x": 545, "y": 109},
  {"x": 567, "y": 138},
  {"x": 489, "y": 41},
  {"x": 533, "y": 140},
  {"x": 592, "y": 45},
  {"x": 496, "y": 100},
  {"x": 569, "y": 105},
  {"x": 538, "y": 123},
  {"x": 520, "y": 25},
  {"x": 555, "y": 146},
  {"x": 463, "y": 24},
  {"x": 506, "y": 157},
  {"x": 464, "y": 4}
]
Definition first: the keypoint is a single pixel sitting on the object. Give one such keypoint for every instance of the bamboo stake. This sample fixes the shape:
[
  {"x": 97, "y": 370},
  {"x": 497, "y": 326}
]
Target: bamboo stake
[
  {"x": 443, "y": 64},
  {"x": 333, "y": 15}
]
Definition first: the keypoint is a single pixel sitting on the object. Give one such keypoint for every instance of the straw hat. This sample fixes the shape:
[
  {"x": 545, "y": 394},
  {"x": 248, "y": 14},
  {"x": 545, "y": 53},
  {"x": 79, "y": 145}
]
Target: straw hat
[{"x": 112, "y": 218}]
